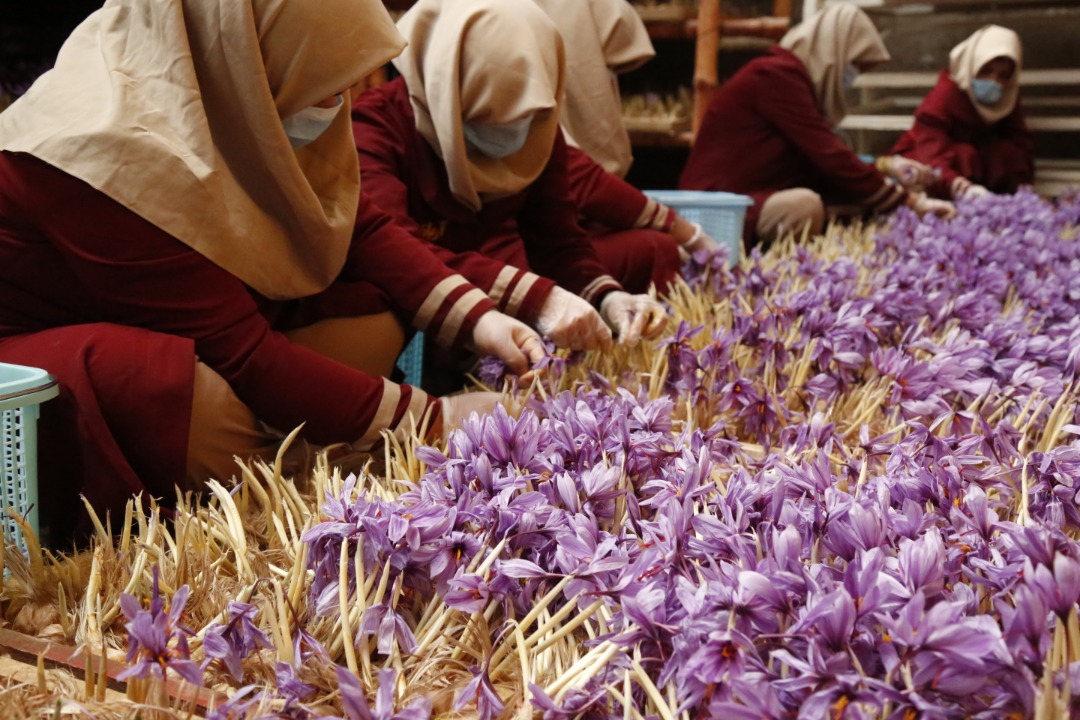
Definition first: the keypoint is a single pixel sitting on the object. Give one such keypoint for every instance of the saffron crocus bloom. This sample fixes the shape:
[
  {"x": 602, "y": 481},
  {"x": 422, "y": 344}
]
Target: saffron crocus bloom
[
  {"x": 482, "y": 693},
  {"x": 157, "y": 642},
  {"x": 236, "y": 639},
  {"x": 356, "y": 705}
]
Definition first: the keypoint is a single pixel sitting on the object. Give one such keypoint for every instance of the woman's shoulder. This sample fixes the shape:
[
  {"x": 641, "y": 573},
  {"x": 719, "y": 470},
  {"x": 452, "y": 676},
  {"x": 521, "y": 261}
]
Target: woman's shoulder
[{"x": 389, "y": 100}]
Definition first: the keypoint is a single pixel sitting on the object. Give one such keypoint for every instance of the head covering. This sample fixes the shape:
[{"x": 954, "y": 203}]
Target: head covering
[
  {"x": 602, "y": 37},
  {"x": 828, "y": 41},
  {"x": 967, "y": 58},
  {"x": 484, "y": 61},
  {"x": 173, "y": 108}
]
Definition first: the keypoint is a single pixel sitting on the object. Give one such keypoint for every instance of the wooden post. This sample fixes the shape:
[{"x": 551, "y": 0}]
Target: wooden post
[{"x": 706, "y": 47}]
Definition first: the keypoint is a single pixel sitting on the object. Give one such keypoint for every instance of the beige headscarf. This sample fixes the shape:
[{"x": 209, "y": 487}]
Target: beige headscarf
[
  {"x": 488, "y": 61},
  {"x": 173, "y": 108},
  {"x": 967, "y": 58},
  {"x": 829, "y": 40},
  {"x": 602, "y": 37}
]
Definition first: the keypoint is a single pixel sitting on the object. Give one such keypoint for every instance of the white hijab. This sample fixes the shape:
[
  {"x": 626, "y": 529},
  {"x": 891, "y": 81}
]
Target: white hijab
[
  {"x": 603, "y": 38},
  {"x": 967, "y": 58},
  {"x": 486, "y": 61},
  {"x": 828, "y": 41},
  {"x": 173, "y": 108}
]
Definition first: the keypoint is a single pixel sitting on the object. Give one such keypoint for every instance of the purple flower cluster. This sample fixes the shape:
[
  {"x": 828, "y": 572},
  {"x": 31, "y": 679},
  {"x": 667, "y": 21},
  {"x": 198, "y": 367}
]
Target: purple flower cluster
[{"x": 877, "y": 518}]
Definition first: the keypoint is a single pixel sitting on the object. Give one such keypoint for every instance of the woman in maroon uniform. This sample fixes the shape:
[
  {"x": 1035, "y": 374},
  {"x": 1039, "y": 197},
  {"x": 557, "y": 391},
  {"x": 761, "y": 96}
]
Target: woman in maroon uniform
[
  {"x": 182, "y": 157},
  {"x": 971, "y": 128},
  {"x": 465, "y": 149},
  {"x": 770, "y": 131}
]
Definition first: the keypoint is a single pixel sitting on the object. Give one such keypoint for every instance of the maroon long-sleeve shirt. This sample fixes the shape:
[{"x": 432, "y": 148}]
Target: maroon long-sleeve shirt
[
  {"x": 535, "y": 229},
  {"x": 763, "y": 132},
  {"x": 118, "y": 310},
  {"x": 950, "y": 135}
]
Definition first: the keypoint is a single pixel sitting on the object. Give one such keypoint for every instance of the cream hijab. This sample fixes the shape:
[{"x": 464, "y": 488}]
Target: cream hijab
[
  {"x": 967, "y": 58},
  {"x": 488, "y": 61},
  {"x": 173, "y": 108},
  {"x": 828, "y": 41},
  {"x": 602, "y": 37}
]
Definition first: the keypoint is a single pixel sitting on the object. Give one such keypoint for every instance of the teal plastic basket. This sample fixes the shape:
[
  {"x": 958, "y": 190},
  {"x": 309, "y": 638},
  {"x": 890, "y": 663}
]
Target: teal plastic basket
[
  {"x": 22, "y": 390},
  {"x": 720, "y": 214},
  {"x": 411, "y": 361}
]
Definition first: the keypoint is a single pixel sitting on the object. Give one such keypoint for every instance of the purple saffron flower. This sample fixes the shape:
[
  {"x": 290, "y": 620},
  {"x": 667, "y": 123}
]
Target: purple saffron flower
[
  {"x": 157, "y": 642},
  {"x": 480, "y": 691},
  {"x": 356, "y": 705},
  {"x": 238, "y": 706},
  {"x": 235, "y": 640}
]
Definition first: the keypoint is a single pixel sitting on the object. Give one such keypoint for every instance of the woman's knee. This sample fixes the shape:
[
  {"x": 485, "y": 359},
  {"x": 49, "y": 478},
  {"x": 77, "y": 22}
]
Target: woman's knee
[
  {"x": 368, "y": 343},
  {"x": 796, "y": 210},
  {"x": 222, "y": 430}
]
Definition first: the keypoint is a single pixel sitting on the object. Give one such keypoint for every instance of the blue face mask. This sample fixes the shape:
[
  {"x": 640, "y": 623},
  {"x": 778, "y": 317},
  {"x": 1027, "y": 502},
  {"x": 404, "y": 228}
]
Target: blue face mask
[
  {"x": 850, "y": 74},
  {"x": 310, "y": 123},
  {"x": 987, "y": 92},
  {"x": 498, "y": 141}
]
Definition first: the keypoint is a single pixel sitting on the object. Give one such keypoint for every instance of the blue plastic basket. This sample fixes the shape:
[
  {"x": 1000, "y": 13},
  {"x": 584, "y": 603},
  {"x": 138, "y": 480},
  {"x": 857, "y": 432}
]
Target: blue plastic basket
[
  {"x": 22, "y": 390},
  {"x": 411, "y": 361},
  {"x": 720, "y": 214}
]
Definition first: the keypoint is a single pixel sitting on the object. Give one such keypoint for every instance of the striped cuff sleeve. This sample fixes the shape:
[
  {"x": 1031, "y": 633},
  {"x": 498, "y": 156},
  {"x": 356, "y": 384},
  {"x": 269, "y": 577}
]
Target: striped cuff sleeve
[
  {"x": 890, "y": 195},
  {"x": 959, "y": 186},
  {"x": 401, "y": 410},
  {"x": 598, "y": 287},
  {"x": 511, "y": 289},
  {"x": 450, "y": 309},
  {"x": 655, "y": 216}
]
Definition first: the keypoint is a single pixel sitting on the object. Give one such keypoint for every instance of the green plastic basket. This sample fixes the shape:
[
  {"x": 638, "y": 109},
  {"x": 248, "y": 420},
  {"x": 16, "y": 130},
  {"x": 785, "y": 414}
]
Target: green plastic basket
[
  {"x": 720, "y": 214},
  {"x": 22, "y": 390}
]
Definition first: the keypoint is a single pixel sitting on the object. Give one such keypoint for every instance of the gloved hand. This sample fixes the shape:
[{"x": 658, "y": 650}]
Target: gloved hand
[
  {"x": 572, "y": 323},
  {"x": 633, "y": 316},
  {"x": 924, "y": 205},
  {"x": 510, "y": 340},
  {"x": 456, "y": 408},
  {"x": 973, "y": 191},
  {"x": 909, "y": 173},
  {"x": 691, "y": 237}
]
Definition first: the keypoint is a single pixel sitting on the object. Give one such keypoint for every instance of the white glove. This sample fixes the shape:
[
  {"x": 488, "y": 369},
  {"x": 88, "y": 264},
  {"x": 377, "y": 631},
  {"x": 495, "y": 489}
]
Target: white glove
[
  {"x": 974, "y": 191},
  {"x": 691, "y": 237},
  {"x": 700, "y": 241},
  {"x": 633, "y": 317},
  {"x": 909, "y": 173},
  {"x": 456, "y": 408},
  {"x": 572, "y": 323},
  {"x": 925, "y": 205},
  {"x": 510, "y": 340}
]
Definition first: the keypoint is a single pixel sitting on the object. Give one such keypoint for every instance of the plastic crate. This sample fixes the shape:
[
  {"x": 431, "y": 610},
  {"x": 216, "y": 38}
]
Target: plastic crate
[
  {"x": 411, "y": 361},
  {"x": 720, "y": 214},
  {"x": 22, "y": 390}
]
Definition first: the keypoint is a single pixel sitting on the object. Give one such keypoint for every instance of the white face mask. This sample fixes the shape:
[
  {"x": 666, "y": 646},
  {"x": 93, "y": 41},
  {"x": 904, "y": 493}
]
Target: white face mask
[
  {"x": 498, "y": 141},
  {"x": 310, "y": 123},
  {"x": 849, "y": 76}
]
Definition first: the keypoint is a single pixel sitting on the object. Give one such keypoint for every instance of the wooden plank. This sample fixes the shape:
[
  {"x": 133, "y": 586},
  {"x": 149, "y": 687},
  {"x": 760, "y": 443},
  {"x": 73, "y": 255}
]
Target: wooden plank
[
  {"x": 27, "y": 649},
  {"x": 25, "y": 673},
  {"x": 900, "y": 123},
  {"x": 1052, "y": 77}
]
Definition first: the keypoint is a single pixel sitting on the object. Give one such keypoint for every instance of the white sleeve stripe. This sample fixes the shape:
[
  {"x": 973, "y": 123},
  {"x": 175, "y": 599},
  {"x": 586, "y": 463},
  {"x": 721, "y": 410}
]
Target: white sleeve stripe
[
  {"x": 521, "y": 290},
  {"x": 452, "y": 324},
  {"x": 384, "y": 415},
  {"x": 593, "y": 287},
  {"x": 648, "y": 215},
  {"x": 502, "y": 283},
  {"x": 436, "y": 298}
]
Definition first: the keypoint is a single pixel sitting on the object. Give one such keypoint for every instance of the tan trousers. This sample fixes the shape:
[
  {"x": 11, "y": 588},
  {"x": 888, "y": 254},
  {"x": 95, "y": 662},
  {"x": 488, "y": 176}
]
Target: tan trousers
[
  {"x": 791, "y": 211},
  {"x": 223, "y": 428}
]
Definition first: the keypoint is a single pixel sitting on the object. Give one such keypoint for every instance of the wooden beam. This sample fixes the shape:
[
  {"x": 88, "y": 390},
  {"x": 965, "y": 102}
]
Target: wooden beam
[{"x": 28, "y": 649}]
